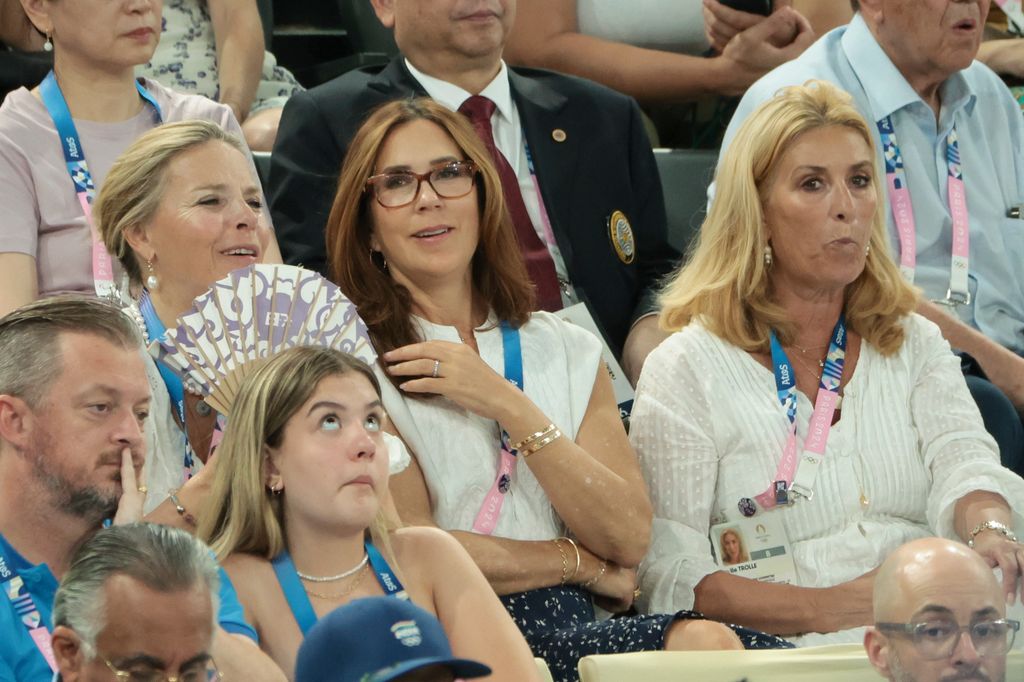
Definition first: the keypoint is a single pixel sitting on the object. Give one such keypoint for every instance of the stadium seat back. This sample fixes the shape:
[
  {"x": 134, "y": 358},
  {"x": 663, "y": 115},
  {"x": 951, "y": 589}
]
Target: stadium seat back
[{"x": 685, "y": 176}]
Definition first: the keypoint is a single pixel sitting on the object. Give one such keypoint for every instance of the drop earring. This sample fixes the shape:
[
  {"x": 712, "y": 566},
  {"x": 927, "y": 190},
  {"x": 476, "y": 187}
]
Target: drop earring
[
  {"x": 151, "y": 281},
  {"x": 867, "y": 250},
  {"x": 48, "y": 45},
  {"x": 768, "y": 256}
]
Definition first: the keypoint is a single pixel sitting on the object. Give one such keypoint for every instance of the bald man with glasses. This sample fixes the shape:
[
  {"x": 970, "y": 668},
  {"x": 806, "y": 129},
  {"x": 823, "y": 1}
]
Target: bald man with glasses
[{"x": 940, "y": 614}]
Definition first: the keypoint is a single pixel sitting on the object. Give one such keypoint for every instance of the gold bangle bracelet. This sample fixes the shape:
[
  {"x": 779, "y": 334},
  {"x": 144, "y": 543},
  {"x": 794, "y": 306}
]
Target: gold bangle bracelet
[
  {"x": 533, "y": 436},
  {"x": 576, "y": 549},
  {"x": 546, "y": 440}
]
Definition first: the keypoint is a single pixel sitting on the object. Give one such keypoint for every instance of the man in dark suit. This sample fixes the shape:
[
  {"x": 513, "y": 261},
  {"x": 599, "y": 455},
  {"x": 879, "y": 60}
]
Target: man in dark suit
[{"x": 599, "y": 208}]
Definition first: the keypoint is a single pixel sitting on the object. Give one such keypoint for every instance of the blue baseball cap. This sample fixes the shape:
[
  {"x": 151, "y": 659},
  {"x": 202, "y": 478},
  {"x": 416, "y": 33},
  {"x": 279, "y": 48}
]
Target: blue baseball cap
[{"x": 377, "y": 639}]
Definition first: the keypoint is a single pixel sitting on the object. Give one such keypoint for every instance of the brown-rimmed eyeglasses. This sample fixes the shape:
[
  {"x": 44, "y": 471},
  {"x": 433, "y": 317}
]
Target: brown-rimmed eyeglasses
[{"x": 400, "y": 188}]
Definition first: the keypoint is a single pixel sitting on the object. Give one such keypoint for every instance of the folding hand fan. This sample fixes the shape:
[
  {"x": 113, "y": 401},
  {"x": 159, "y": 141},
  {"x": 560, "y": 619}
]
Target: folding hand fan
[{"x": 251, "y": 315}]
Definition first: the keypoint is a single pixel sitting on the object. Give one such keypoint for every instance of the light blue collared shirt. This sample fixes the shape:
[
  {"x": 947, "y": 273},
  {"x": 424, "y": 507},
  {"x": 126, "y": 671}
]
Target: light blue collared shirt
[{"x": 991, "y": 132}]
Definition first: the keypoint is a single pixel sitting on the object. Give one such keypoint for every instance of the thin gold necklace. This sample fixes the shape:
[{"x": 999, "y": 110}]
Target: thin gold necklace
[{"x": 344, "y": 593}]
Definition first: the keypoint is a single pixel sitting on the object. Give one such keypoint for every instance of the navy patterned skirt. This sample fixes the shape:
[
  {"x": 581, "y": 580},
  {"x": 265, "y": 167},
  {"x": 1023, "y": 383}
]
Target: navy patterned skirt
[{"x": 560, "y": 627}]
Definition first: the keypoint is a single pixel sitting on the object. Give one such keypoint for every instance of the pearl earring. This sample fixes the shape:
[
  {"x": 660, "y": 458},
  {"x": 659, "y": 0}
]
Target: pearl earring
[
  {"x": 48, "y": 45},
  {"x": 768, "y": 256},
  {"x": 151, "y": 281},
  {"x": 867, "y": 250}
]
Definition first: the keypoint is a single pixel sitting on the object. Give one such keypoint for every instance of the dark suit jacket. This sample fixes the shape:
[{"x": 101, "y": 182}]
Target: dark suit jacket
[{"x": 604, "y": 164}]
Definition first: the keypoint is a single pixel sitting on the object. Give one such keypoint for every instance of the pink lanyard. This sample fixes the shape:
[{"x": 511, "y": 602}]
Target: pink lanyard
[
  {"x": 795, "y": 474},
  {"x": 487, "y": 518},
  {"x": 958, "y": 292}
]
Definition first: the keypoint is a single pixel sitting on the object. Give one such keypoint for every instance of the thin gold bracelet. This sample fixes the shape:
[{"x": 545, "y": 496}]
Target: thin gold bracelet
[
  {"x": 600, "y": 574},
  {"x": 533, "y": 436},
  {"x": 565, "y": 560},
  {"x": 537, "y": 445}
]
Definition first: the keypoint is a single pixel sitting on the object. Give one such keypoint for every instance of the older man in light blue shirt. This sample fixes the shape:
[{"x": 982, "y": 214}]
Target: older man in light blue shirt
[{"x": 911, "y": 60}]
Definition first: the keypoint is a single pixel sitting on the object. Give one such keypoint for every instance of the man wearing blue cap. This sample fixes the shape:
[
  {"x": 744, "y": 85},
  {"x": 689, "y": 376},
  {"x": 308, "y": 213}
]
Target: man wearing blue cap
[{"x": 381, "y": 639}]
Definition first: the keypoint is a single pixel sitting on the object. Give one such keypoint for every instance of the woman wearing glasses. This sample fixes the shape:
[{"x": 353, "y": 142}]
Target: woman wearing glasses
[{"x": 519, "y": 449}]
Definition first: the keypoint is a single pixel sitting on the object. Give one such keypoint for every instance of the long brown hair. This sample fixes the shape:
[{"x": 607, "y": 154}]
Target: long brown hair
[{"x": 499, "y": 275}]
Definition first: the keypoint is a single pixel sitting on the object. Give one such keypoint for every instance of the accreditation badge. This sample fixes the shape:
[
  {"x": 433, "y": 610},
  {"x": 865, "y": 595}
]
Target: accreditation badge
[
  {"x": 621, "y": 234},
  {"x": 756, "y": 548}
]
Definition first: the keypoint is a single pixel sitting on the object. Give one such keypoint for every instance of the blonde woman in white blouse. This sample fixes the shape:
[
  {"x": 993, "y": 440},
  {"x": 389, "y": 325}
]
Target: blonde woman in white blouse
[{"x": 794, "y": 243}]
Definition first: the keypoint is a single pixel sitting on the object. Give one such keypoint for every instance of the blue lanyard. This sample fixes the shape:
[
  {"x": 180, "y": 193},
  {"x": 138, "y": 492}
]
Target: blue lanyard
[
  {"x": 156, "y": 330},
  {"x": 295, "y": 593},
  {"x": 74, "y": 155},
  {"x": 24, "y": 606},
  {"x": 512, "y": 348},
  {"x": 175, "y": 388},
  {"x": 831, "y": 376},
  {"x": 513, "y": 351}
]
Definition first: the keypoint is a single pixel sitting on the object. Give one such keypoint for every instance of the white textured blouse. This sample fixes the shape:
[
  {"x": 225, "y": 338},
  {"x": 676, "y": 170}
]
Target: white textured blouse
[
  {"x": 458, "y": 450},
  {"x": 709, "y": 429}
]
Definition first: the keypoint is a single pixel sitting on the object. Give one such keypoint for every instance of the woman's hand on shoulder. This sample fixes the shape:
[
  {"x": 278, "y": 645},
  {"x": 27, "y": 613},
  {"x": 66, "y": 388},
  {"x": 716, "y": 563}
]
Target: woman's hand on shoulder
[{"x": 455, "y": 371}]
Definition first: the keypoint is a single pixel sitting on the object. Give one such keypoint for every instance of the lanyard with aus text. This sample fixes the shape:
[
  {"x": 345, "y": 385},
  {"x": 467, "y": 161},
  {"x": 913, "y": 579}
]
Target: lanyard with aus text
[
  {"x": 78, "y": 169},
  {"x": 487, "y": 517},
  {"x": 793, "y": 477},
  {"x": 958, "y": 292},
  {"x": 25, "y": 608}
]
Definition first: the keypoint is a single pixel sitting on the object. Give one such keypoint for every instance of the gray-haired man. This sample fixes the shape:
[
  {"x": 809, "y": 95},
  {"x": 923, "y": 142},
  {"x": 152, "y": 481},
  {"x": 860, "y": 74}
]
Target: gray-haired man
[{"x": 137, "y": 599}]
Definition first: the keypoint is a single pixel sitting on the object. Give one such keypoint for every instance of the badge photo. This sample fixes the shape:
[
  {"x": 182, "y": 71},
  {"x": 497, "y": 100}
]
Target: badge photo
[
  {"x": 621, "y": 234},
  {"x": 754, "y": 548}
]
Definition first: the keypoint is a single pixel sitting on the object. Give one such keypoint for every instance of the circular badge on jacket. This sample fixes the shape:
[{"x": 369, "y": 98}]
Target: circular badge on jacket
[{"x": 621, "y": 233}]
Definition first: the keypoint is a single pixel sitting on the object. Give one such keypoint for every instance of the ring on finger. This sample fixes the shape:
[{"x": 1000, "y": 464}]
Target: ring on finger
[
  {"x": 437, "y": 369},
  {"x": 143, "y": 489}
]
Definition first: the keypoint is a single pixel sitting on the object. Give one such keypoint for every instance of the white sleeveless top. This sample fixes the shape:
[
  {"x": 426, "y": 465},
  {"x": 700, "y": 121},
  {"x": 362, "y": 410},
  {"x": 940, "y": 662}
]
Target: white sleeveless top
[
  {"x": 458, "y": 450},
  {"x": 669, "y": 25}
]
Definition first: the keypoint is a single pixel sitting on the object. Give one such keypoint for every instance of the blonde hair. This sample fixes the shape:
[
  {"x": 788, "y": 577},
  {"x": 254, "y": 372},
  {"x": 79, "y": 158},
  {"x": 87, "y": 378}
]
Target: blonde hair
[
  {"x": 243, "y": 515},
  {"x": 742, "y": 557},
  {"x": 725, "y": 282},
  {"x": 134, "y": 187}
]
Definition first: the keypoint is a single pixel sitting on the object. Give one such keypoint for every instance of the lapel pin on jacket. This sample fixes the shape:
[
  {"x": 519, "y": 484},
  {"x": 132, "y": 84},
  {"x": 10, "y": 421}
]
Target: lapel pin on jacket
[{"x": 558, "y": 135}]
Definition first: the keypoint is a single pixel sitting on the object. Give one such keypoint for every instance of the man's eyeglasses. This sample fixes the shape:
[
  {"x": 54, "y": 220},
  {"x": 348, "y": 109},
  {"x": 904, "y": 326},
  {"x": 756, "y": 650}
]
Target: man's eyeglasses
[
  {"x": 400, "y": 188},
  {"x": 935, "y": 639},
  {"x": 199, "y": 672}
]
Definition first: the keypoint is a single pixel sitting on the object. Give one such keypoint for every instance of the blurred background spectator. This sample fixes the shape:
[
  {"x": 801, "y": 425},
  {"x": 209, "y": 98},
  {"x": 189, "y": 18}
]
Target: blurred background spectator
[
  {"x": 216, "y": 48},
  {"x": 666, "y": 52}
]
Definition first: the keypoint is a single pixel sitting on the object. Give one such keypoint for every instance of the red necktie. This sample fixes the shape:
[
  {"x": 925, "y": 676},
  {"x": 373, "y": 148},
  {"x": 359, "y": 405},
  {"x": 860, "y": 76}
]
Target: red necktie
[{"x": 535, "y": 253}]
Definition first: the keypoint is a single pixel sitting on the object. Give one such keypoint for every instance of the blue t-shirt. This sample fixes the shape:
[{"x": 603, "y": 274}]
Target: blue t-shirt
[{"x": 20, "y": 659}]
